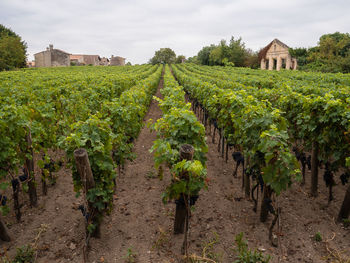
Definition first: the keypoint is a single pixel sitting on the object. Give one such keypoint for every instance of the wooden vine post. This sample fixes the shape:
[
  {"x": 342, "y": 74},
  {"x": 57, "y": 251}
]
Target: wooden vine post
[
  {"x": 43, "y": 182},
  {"x": 303, "y": 166},
  {"x": 314, "y": 169},
  {"x": 345, "y": 208},
  {"x": 85, "y": 172},
  {"x": 186, "y": 153},
  {"x": 16, "y": 205},
  {"x": 264, "y": 212},
  {"x": 246, "y": 184},
  {"x": 4, "y": 235},
  {"x": 29, "y": 168},
  {"x": 43, "y": 177},
  {"x": 223, "y": 145},
  {"x": 246, "y": 180}
]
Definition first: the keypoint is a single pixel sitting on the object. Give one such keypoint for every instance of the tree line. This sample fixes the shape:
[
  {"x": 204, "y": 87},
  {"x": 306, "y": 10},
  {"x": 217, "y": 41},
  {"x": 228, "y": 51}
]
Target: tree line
[
  {"x": 233, "y": 53},
  {"x": 12, "y": 50},
  {"x": 332, "y": 54}
]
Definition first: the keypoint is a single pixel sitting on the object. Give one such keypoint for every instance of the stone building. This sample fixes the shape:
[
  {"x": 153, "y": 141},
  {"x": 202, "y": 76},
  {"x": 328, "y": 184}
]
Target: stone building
[
  {"x": 275, "y": 56},
  {"x": 117, "y": 61},
  {"x": 81, "y": 60},
  {"x": 31, "y": 64},
  {"x": 76, "y": 60},
  {"x": 52, "y": 58},
  {"x": 104, "y": 61}
]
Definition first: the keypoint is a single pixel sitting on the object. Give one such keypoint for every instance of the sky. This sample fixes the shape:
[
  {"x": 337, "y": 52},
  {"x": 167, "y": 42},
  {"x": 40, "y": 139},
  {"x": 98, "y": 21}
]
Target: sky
[{"x": 135, "y": 29}]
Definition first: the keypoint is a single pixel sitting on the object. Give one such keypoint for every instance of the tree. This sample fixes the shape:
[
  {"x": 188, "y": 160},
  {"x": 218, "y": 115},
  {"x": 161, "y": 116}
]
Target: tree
[
  {"x": 204, "y": 53},
  {"x": 252, "y": 59},
  {"x": 237, "y": 52},
  {"x": 163, "y": 55},
  {"x": 220, "y": 54},
  {"x": 332, "y": 54},
  {"x": 180, "y": 59},
  {"x": 12, "y": 50},
  {"x": 216, "y": 56},
  {"x": 225, "y": 54},
  {"x": 300, "y": 54},
  {"x": 193, "y": 59}
]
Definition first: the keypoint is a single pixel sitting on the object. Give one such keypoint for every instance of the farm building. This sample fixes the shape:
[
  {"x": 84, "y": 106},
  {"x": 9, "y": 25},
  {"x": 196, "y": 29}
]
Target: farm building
[
  {"x": 52, "y": 58},
  {"x": 80, "y": 60},
  {"x": 31, "y": 64},
  {"x": 275, "y": 56},
  {"x": 117, "y": 61},
  {"x": 104, "y": 61}
]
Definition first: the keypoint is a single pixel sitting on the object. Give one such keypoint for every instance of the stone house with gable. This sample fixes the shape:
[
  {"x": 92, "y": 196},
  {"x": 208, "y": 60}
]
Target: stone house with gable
[
  {"x": 275, "y": 56},
  {"x": 52, "y": 58},
  {"x": 117, "y": 61}
]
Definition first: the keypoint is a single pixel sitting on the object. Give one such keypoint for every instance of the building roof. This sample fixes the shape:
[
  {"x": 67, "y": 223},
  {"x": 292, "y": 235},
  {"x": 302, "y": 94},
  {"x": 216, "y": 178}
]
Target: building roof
[
  {"x": 262, "y": 53},
  {"x": 61, "y": 51},
  {"x": 117, "y": 57},
  {"x": 53, "y": 49},
  {"x": 75, "y": 56},
  {"x": 280, "y": 43}
]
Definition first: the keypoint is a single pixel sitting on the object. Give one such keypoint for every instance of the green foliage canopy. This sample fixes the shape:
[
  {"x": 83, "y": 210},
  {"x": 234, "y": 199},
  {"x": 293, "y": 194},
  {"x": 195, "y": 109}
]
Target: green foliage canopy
[
  {"x": 180, "y": 58},
  {"x": 163, "y": 56},
  {"x": 12, "y": 50},
  {"x": 228, "y": 54},
  {"x": 332, "y": 54}
]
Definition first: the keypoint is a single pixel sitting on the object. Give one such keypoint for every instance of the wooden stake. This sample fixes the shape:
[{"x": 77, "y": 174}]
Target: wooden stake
[
  {"x": 219, "y": 144},
  {"x": 43, "y": 183},
  {"x": 187, "y": 219},
  {"x": 186, "y": 153},
  {"x": 16, "y": 205},
  {"x": 4, "y": 235},
  {"x": 303, "y": 166},
  {"x": 85, "y": 172},
  {"x": 246, "y": 185},
  {"x": 222, "y": 145},
  {"x": 84, "y": 169},
  {"x": 314, "y": 169},
  {"x": 264, "y": 206},
  {"x": 345, "y": 208},
  {"x": 29, "y": 168}
]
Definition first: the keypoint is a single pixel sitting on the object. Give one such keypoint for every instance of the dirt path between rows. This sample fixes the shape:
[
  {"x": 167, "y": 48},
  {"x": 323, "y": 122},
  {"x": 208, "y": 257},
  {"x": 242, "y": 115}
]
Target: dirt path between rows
[{"x": 139, "y": 214}]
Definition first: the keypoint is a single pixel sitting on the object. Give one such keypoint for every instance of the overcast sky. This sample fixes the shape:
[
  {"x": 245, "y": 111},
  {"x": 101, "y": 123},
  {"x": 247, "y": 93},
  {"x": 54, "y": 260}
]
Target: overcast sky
[{"x": 135, "y": 29}]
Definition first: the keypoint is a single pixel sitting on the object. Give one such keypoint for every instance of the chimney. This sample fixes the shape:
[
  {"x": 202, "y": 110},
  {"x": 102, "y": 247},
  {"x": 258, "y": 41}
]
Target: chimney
[{"x": 51, "y": 47}]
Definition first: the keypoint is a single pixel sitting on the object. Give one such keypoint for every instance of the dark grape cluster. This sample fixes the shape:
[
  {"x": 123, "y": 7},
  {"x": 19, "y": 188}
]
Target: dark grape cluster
[
  {"x": 181, "y": 201},
  {"x": 83, "y": 210},
  {"x": 22, "y": 178},
  {"x": 328, "y": 176},
  {"x": 268, "y": 203},
  {"x": 344, "y": 178},
  {"x": 238, "y": 158},
  {"x": 301, "y": 157},
  {"x": 3, "y": 199}
]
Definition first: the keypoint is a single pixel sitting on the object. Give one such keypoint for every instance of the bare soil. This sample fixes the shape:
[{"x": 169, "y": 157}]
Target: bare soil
[{"x": 142, "y": 225}]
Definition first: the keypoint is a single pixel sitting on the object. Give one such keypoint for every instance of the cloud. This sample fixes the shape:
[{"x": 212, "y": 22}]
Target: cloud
[{"x": 136, "y": 29}]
